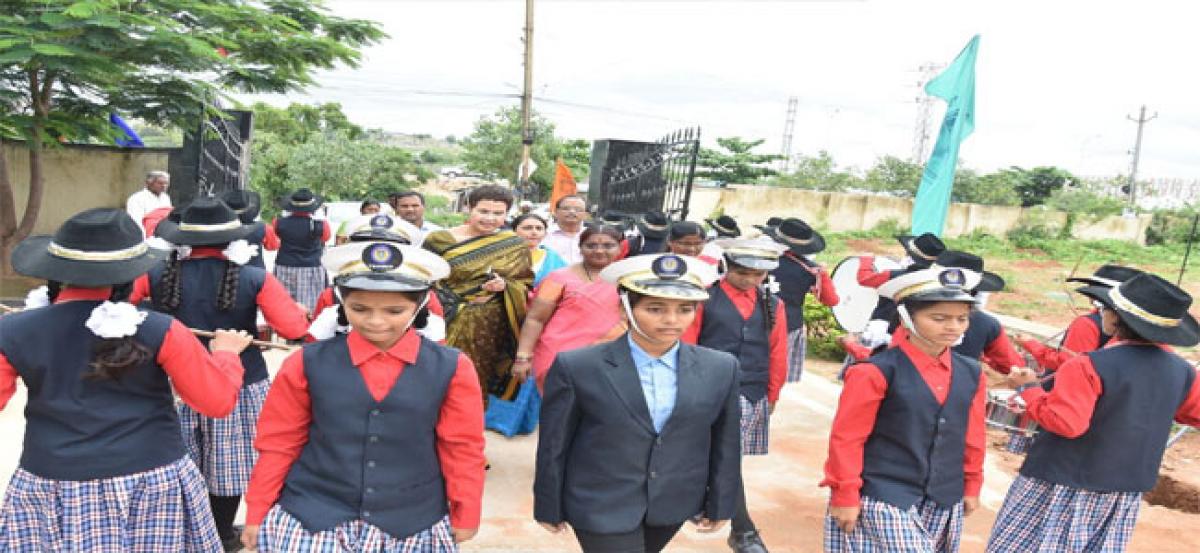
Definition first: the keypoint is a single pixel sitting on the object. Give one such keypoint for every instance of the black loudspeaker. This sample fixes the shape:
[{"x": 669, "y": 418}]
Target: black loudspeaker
[{"x": 221, "y": 158}]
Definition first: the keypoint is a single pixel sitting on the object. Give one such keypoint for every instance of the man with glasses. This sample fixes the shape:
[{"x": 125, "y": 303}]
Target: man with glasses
[{"x": 563, "y": 235}]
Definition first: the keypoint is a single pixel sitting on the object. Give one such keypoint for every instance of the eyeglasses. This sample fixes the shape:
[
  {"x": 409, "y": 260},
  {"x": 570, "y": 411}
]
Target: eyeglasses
[{"x": 594, "y": 247}]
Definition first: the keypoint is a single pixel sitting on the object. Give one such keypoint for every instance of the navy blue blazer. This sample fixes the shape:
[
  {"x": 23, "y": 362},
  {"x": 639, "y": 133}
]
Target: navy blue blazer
[{"x": 602, "y": 468}]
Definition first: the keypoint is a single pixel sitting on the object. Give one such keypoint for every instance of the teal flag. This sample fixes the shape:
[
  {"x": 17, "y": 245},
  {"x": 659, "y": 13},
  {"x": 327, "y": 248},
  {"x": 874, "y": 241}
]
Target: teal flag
[{"x": 956, "y": 85}]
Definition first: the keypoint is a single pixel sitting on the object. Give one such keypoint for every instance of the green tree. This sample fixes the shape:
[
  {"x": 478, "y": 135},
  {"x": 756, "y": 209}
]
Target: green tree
[
  {"x": 494, "y": 146},
  {"x": 65, "y": 65},
  {"x": 736, "y": 163},
  {"x": 298, "y": 122},
  {"x": 989, "y": 189},
  {"x": 577, "y": 154},
  {"x": 895, "y": 176},
  {"x": 818, "y": 172},
  {"x": 1036, "y": 185}
]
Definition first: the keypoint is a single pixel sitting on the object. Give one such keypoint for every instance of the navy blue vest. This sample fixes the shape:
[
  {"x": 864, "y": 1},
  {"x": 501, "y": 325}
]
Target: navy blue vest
[
  {"x": 80, "y": 428},
  {"x": 255, "y": 238},
  {"x": 983, "y": 330},
  {"x": 200, "y": 279},
  {"x": 1121, "y": 451},
  {"x": 916, "y": 448},
  {"x": 1098, "y": 320},
  {"x": 299, "y": 241},
  {"x": 795, "y": 282},
  {"x": 375, "y": 461},
  {"x": 724, "y": 329}
]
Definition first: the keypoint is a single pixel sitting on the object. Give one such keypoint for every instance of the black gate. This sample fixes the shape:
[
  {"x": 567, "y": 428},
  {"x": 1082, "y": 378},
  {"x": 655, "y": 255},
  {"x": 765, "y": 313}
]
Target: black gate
[
  {"x": 218, "y": 161},
  {"x": 631, "y": 178}
]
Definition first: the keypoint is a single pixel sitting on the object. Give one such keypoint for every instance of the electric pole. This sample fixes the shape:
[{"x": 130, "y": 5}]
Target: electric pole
[
  {"x": 789, "y": 126},
  {"x": 527, "y": 103},
  {"x": 1137, "y": 153},
  {"x": 921, "y": 134}
]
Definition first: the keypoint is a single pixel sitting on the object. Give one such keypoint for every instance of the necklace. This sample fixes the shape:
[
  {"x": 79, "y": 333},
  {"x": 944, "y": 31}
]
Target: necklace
[{"x": 586, "y": 272}]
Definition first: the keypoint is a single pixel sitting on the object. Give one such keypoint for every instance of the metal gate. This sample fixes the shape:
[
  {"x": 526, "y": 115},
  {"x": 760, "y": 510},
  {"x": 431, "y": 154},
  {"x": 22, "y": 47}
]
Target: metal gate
[{"x": 648, "y": 175}]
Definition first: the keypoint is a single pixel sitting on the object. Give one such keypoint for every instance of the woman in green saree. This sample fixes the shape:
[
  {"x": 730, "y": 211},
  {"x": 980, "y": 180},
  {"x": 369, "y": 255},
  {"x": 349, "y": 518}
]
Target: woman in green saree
[{"x": 484, "y": 296}]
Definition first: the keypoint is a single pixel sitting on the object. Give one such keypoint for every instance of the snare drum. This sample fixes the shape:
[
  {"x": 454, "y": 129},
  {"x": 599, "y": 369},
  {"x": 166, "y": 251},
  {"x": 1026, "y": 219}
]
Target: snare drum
[{"x": 1006, "y": 411}]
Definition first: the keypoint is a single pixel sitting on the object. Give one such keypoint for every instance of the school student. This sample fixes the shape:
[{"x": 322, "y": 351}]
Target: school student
[
  {"x": 302, "y": 238},
  {"x": 207, "y": 284},
  {"x": 799, "y": 275},
  {"x": 247, "y": 204},
  {"x": 103, "y": 466},
  {"x": 1104, "y": 426},
  {"x": 372, "y": 440},
  {"x": 640, "y": 435},
  {"x": 907, "y": 444}
]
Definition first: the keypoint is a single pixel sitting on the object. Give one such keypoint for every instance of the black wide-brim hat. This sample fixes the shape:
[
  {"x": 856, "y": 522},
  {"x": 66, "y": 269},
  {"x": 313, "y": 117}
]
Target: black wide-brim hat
[
  {"x": 798, "y": 236},
  {"x": 97, "y": 247},
  {"x": 1108, "y": 275},
  {"x": 653, "y": 224},
  {"x": 726, "y": 226},
  {"x": 204, "y": 222},
  {"x": 246, "y": 203},
  {"x": 302, "y": 200},
  {"x": 1154, "y": 308},
  {"x": 923, "y": 248}
]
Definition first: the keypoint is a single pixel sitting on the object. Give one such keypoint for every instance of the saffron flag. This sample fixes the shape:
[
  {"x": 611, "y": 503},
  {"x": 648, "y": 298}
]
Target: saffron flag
[
  {"x": 955, "y": 85},
  {"x": 564, "y": 182}
]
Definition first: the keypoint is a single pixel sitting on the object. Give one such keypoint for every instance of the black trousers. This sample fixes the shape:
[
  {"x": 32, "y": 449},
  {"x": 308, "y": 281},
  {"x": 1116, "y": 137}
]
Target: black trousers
[{"x": 644, "y": 539}]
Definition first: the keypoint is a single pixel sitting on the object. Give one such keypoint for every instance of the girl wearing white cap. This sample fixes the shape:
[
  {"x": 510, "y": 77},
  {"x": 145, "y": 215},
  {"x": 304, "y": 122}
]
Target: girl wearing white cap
[
  {"x": 640, "y": 434},
  {"x": 372, "y": 440},
  {"x": 907, "y": 444}
]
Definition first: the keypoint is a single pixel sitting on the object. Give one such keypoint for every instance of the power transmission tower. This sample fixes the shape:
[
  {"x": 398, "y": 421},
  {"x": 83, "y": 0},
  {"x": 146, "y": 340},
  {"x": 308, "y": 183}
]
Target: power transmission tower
[
  {"x": 527, "y": 104},
  {"x": 925, "y": 102},
  {"x": 788, "y": 127},
  {"x": 1137, "y": 154}
]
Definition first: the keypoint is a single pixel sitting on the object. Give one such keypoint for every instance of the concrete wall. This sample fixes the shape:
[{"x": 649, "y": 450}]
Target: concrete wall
[
  {"x": 81, "y": 177},
  {"x": 836, "y": 212}
]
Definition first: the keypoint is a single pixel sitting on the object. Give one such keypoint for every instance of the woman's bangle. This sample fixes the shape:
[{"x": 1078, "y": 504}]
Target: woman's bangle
[{"x": 523, "y": 357}]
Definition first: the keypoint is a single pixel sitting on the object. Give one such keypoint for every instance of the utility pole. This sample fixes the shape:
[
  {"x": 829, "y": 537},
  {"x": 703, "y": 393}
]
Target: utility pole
[
  {"x": 527, "y": 103},
  {"x": 925, "y": 102},
  {"x": 789, "y": 126},
  {"x": 1137, "y": 153}
]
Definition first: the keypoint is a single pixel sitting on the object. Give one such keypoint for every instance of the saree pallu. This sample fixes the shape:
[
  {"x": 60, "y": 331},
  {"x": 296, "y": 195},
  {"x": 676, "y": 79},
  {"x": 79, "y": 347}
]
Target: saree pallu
[{"x": 486, "y": 331}]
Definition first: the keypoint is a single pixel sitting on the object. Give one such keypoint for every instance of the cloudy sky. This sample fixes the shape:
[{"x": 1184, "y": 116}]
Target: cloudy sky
[{"x": 1056, "y": 80}]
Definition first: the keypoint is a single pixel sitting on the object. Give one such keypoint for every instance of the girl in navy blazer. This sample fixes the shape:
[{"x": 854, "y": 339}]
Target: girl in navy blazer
[
  {"x": 641, "y": 434},
  {"x": 104, "y": 467}
]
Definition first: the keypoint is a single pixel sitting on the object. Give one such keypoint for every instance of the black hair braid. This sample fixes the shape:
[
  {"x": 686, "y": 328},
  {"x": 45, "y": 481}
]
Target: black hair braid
[
  {"x": 169, "y": 294},
  {"x": 112, "y": 358},
  {"x": 53, "y": 288},
  {"x": 342, "y": 320},
  {"x": 227, "y": 293}
]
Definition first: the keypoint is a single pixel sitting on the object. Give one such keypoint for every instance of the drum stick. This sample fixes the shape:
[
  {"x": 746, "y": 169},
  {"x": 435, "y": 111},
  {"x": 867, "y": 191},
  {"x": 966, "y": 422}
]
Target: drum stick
[{"x": 259, "y": 343}]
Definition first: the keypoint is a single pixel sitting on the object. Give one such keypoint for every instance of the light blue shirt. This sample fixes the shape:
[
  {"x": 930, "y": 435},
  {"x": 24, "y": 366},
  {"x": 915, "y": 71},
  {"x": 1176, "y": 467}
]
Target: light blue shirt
[{"x": 659, "y": 380}]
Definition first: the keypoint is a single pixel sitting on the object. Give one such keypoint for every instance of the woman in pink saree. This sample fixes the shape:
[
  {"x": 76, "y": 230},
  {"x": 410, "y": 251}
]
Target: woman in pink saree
[{"x": 573, "y": 307}]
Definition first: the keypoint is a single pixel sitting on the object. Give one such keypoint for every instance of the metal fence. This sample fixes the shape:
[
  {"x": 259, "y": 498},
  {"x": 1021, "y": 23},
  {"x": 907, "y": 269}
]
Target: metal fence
[{"x": 649, "y": 176}]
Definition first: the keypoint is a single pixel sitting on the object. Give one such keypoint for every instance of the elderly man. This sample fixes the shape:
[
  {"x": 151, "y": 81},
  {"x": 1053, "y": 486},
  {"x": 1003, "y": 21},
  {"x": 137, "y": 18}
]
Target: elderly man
[
  {"x": 410, "y": 206},
  {"x": 150, "y": 198},
  {"x": 563, "y": 235}
]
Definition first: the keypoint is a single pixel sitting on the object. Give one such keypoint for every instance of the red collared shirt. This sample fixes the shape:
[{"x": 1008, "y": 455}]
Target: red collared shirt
[
  {"x": 270, "y": 238},
  {"x": 209, "y": 383},
  {"x": 744, "y": 301},
  {"x": 864, "y": 390},
  {"x": 1082, "y": 336},
  {"x": 867, "y": 276},
  {"x": 283, "y": 426},
  {"x": 278, "y": 308},
  {"x": 1067, "y": 409}
]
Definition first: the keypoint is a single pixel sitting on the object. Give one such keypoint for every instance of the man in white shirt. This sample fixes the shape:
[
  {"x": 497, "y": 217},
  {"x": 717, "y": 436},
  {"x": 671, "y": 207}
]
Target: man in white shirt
[
  {"x": 410, "y": 206},
  {"x": 563, "y": 235},
  {"x": 150, "y": 198}
]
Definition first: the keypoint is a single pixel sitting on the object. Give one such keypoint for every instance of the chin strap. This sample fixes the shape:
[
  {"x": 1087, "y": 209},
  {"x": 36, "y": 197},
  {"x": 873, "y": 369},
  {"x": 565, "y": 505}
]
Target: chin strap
[{"x": 416, "y": 312}]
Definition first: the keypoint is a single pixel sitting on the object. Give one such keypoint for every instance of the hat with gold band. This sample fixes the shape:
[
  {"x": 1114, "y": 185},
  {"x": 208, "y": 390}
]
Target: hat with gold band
[
  {"x": 97, "y": 247},
  {"x": 1154, "y": 308},
  {"x": 204, "y": 222},
  {"x": 760, "y": 253},
  {"x": 933, "y": 284},
  {"x": 365, "y": 228},
  {"x": 663, "y": 275},
  {"x": 384, "y": 266},
  {"x": 302, "y": 200}
]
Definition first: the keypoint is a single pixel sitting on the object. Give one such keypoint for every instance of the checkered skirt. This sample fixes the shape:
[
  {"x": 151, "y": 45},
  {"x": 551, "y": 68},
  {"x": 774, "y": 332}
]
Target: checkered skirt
[
  {"x": 883, "y": 528},
  {"x": 224, "y": 448},
  {"x": 305, "y": 284},
  {"x": 1038, "y": 516},
  {"x": 756, "y": 424},
  {"x": 281, "y": 532},
  {"x": 797, "y": 341},
  {"x": 162, "y": 509}
]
